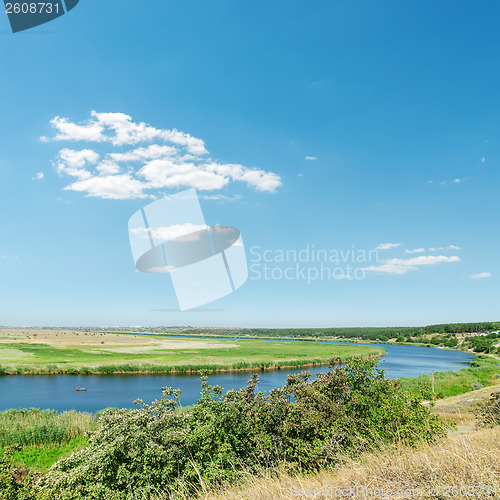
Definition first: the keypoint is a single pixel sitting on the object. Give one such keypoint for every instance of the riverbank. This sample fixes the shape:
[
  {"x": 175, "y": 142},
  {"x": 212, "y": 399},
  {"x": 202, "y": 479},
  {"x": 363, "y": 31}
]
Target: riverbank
[
  {"x": 484, "y": 371},
  {"x": 241, "y": 367},
  {"x": 48, "y": 352}
]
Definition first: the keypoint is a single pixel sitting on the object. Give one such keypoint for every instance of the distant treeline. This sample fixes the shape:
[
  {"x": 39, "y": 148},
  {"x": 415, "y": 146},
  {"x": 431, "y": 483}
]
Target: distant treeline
[{"x": 366, "y": 333}]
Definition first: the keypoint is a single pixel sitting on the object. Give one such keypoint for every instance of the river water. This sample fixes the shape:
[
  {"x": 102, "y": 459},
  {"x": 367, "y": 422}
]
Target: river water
[{"x": 57, "y": 392}]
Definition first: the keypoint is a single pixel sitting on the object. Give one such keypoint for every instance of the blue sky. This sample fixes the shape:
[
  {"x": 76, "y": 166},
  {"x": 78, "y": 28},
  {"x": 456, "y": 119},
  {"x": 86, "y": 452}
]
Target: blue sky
[{"x": 348, "y": 125}]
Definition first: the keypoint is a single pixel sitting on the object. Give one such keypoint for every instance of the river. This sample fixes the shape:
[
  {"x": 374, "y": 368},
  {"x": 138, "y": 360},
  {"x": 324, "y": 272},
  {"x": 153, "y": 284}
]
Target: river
[{"x": 57, "y": 392}]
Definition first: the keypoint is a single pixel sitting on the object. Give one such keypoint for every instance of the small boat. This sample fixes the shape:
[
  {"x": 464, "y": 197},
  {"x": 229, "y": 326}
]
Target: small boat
[{"x": 80, "y": 389}]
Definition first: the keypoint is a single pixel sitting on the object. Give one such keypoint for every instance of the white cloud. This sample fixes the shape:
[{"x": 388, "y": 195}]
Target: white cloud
[
  {"x": 152, "y": 152},
  {"x": 442, "y": 183},
  {"x": 119, "y": 129},
  {"x": 78, "y": 159},
  {"x": 73, "y": 163},
  {"x": 312, "y": 158},
  {"x": 416, "y": 250},
  {"x": 402, "y": 266},
  {"x": 480, "y": 276},
  {"x": 91, "y": 131},
  {"x": 433, "y": 249},
  {"x": 254, "y": 177},
  {"x": 188, "y": 232},
  {"x": 110, "y": 187},
  {"x": 167, "y": 173},
  {"x": 182, "y": 163},
  {"x": 221, "y": 197},
  {"x": 483, "y": 159},
  {"x": 38, "y": 177},
  {"x": 440, "y": 249},
  {"x": 387, "y": 246}
]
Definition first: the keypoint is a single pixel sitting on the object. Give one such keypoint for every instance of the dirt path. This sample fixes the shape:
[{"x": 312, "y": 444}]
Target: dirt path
[{"x": 460, "y": 409}]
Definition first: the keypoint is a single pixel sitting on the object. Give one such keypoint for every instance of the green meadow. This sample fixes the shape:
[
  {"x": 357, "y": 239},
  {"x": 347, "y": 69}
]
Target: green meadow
[
  {"x": 38, "y": 438},
  {"x": 484, "y": 371},
  {"x": 75, "y": 352}
]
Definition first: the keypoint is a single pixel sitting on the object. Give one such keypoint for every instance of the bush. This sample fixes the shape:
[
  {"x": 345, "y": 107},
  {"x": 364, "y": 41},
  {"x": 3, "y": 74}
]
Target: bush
[
  {"x": 488, "y": 413},
  {"x": 476, "y": 385},
  {"x": 301, "y": 426},
  {"x": 16, "y": 482}
]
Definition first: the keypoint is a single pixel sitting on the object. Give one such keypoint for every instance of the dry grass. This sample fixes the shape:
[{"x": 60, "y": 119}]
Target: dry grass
[
  {"x": 464, "y": 403},
  {"x": 63, "y": 337},
  {"x": 461, "y": 409},
  {"x": 470, "y": 460}
]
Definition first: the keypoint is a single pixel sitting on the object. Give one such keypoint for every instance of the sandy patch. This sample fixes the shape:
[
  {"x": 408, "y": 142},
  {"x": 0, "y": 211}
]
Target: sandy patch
[
  {"x": 168, "y": 345},
  {"x": 14, "y": 354},
  {"x": 70, "y": 338}
]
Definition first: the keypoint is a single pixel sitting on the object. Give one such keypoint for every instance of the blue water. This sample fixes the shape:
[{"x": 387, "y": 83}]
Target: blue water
[{"x": 57, "y": 392}]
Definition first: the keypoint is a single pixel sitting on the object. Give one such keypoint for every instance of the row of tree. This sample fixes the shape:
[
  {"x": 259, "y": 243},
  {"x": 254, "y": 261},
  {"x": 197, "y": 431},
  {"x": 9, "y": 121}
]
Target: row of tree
[{"x": 364, "y": 333}]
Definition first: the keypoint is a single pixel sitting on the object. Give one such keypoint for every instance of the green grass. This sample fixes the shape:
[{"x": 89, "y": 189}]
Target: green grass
[
  {"x": 36, "y": 427},
  {"x": 192, "y": 355},
  {"x": 41, "y": 457},
  {"x": 38, "y": 438},
  {"x": 449, "y": 383}
]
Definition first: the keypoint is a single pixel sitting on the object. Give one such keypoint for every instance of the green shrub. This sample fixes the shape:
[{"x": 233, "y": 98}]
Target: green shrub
[
  {"x": 106, "y": 369},
  {"x": 16, "y": 482},
  {"x": 476, "y": 385},
  {"x": 301, "y": 426},
  {"x": 488, "y": 413}
]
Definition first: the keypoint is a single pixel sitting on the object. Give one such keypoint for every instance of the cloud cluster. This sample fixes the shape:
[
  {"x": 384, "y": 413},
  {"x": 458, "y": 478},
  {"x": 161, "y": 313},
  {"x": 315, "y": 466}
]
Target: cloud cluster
[
  {"x": 387, "y": 246},
  {"x": 399, "y": 266},
  {"x": 402, "y": 266},
  {"x": 449, "y": 247},
  {"x": 390, "y": 246},
  {"x": 415, "y": 250},
  {"x": 481, "y": 276},
  {"x": 148, "y": 159}
]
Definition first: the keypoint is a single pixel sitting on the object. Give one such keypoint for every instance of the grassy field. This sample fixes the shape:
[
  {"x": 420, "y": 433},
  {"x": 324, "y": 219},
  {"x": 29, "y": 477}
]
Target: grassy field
[
  {"x": 38, "y": 438},
  {"x": 65, "y": 351},
  {"x": 41, "y": 456},
  {"x": 484, "y": 370}
]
